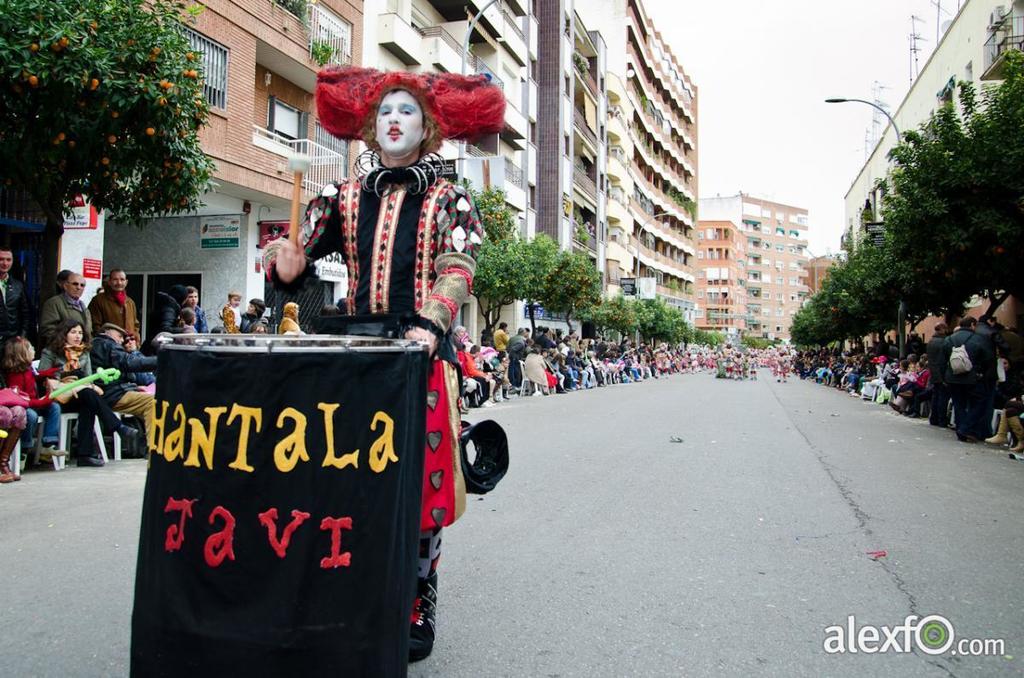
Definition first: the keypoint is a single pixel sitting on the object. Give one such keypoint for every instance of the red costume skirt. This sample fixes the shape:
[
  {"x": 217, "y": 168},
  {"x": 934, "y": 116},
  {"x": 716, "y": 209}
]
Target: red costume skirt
[{"x": 444, "y": 488}]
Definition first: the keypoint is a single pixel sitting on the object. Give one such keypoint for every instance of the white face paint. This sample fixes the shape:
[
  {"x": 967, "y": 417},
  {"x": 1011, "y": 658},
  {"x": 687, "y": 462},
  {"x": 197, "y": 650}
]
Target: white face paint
[{"x": 399, "y": 129}]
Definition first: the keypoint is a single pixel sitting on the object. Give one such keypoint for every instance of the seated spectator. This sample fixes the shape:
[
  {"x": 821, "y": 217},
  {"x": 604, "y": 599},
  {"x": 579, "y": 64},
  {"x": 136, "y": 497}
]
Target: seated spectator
[
  {"x": 68, "y": 352},
  {"x": 536, "y": 372},
  {"x": 18, "y": 374},
  {"x": 470, "y": 371},
  {"x": 123, "y": 394},
  {"x": 12, "y": 420},
  {"x": 131, "y": 346}
]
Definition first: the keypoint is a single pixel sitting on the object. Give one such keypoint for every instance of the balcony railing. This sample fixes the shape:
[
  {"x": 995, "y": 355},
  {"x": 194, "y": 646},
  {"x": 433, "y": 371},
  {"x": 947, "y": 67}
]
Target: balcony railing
[
  {"x": 619, "y": 153},
  {"x": 619, "y": 194},
  {"x": 584, "y": 128},
  {"x": 325, "y": 165},
  {"x": 511, "y": 23},
  {"x": 585, "y": 182},
  {"x": 473, "y": 62},
  {"x": 329, "y": 37},
  {"x": 514, "y": 174},
  {"x": 1008, "y": 36}
]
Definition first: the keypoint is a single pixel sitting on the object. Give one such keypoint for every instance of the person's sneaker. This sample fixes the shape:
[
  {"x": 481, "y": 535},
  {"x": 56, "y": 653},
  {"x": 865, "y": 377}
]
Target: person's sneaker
[
  {"x": 91, "y": 461},
  {"x": 424, "y": 611}
]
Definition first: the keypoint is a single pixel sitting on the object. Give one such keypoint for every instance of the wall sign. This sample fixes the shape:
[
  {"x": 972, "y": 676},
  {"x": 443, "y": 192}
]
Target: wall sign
[{"x": 219, "y": 232}]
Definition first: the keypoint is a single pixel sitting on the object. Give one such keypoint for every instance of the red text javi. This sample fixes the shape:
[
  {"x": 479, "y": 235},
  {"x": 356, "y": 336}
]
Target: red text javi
[
  {"x": 269, "y": 519},
  {"x": 219, "y": 546}
]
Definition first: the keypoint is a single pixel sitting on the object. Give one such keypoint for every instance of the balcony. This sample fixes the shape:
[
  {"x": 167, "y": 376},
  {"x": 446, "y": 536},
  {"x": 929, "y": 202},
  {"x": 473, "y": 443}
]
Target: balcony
[
  {"x": 1006, "y": 36},
  {"x": 325, "y": 165},
  {"x": 401, "y": 39},
  {"x": 441, "y": 49},
  {"x": 585, "y": 184},
  {"x": 513, "y": 38},
  {"x": 584, "y": 129},
  {"x": 330, "y": 37}
]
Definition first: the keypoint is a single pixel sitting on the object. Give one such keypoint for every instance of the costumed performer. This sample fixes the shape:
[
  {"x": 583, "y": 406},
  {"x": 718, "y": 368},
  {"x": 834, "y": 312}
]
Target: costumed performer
[{"x": 410, "y": 240}]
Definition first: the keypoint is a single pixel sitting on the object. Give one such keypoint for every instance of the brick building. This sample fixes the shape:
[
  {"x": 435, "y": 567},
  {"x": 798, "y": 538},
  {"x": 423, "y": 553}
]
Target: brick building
[
  {"x": 260, "y": 60},
  {"x": 721, "y": 280},
  {"x": 776, "y": 258}
]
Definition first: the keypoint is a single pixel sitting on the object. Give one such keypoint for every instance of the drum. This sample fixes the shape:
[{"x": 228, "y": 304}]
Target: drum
[{"x": 282, "y": 505}]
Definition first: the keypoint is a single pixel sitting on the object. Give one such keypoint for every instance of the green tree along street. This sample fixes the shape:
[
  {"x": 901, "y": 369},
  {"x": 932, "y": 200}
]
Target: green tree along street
[
  {"x": 572, "y": 286},
  {"x": 953, "y": 209},
  {"x": 106, "y": 99},
  {"x": 502, "y": 259}
]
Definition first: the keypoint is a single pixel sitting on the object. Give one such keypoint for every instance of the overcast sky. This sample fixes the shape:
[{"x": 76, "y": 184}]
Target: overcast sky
[{"x": 764, "y": 68}]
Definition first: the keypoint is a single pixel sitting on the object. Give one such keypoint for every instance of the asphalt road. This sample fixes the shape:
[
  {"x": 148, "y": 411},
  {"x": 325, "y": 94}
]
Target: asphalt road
[{"x": 610, "y": 550}]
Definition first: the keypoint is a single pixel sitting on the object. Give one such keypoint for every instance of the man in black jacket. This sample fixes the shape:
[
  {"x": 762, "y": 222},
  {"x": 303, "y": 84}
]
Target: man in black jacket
[
  {"x": 14, "y": 307},
  {"x": 164, "y": 315},
  {"x": 969, "y": 388},
  {"x": 940, "y": 392},
  {"x": 122, "y": 395}
]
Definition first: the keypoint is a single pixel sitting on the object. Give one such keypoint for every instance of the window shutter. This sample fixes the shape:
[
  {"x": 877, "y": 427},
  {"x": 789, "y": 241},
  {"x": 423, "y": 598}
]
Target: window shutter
[
  {"x": 304, "y": 125},
  {"x": 271, "y": 107}
]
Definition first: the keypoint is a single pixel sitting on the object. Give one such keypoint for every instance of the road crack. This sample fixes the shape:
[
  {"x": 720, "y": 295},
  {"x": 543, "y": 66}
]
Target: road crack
[{"x": 863, "y": 518}]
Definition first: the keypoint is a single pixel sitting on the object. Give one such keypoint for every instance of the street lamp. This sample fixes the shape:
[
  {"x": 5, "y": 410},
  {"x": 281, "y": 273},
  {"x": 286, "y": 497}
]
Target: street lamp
[
  {"x": 462, "y": 71},
  {"x": 901, "y": 318}
]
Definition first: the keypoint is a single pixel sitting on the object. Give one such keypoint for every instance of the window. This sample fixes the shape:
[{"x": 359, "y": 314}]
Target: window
[
  {"x": 780, "y": 248},
  {"x": 700, "y": 294},
  {"x": 285, "y": 121},
  {"x": 793, "y": 282},
  {"x": 700, "y": 254},
  {"x": 215, "y": 68}
]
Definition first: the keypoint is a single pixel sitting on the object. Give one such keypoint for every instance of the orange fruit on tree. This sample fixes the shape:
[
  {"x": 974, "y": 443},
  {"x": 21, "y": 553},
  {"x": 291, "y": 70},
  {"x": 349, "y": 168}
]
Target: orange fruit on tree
[
  {"x": 112, "y": 139},
  {"x": 33, "y": 81},
  {"x": 114, "y": 114},
  {"x": 61, "y": 136},
  {"x": 93, "y": 84},
  {"x": 34, "y": 47},
  {"x": 105, "y": 161},
  {"x": 71, "y": 144},
  {"x": 63, "y": 42},
  {"x": 150, "y": 131}
]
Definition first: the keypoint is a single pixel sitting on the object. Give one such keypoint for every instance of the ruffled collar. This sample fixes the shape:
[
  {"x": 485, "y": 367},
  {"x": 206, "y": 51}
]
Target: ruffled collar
[{"x": 415, "y": 179}]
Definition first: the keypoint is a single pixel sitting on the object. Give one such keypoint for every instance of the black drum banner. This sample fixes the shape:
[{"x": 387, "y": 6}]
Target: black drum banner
[{"x": 281, "y": 514}]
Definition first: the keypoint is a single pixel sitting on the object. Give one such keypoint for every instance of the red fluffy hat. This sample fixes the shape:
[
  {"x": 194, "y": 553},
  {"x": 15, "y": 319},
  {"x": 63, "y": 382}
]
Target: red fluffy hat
[{"x": 465, "y": 108}]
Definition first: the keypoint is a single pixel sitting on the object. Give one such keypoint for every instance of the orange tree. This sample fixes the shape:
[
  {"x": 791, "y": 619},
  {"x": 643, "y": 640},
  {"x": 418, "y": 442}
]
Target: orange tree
[
  {"x": 102, "y": 98},
  {"x": 573, "y": 285}
]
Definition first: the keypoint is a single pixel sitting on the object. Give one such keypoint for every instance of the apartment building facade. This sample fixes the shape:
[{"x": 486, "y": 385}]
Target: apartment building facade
[
  {"x": 721, "y": 281},
  {"x": 571, "y": 131},
  {"x": 652, "y": 155},
  {"x": 775, "y": 268},
  {"x": 260, "y": 60},
  {"x": 972, "y": 49}
]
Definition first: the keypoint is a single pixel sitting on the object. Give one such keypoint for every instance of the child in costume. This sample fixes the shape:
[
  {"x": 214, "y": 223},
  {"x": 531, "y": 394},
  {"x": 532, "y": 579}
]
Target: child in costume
[{"x": 410, "y": 240}]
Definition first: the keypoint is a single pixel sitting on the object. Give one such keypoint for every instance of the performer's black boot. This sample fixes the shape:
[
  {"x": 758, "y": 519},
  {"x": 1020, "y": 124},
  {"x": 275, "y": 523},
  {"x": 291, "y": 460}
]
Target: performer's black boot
[{"x": 424, "y": 609}]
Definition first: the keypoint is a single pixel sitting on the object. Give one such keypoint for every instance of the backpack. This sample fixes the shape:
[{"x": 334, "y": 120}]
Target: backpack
[{"x": 959, "y": 360}]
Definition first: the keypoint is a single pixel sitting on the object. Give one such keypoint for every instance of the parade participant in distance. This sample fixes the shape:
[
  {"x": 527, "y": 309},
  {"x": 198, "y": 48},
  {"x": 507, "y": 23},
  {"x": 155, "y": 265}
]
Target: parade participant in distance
[{"x": 410, "y": 240}]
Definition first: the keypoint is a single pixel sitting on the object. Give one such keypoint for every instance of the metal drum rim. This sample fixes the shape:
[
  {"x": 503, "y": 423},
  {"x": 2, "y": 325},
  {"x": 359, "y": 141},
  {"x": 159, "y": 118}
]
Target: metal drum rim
[{"x": 309, "y": 343}]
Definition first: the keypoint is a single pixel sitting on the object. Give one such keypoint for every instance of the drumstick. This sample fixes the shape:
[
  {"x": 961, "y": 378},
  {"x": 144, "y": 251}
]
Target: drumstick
[
  {"x": 107, "y": 375},
  {"x": 298, "y": 164}
]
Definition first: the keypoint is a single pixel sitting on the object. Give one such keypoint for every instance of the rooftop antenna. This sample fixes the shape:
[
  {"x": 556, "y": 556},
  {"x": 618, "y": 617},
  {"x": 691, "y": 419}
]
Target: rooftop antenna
[
  {"x": 877, "y": 122},
  {"x": 915, "y": 38},
  {"x": 939, "y": 11}
]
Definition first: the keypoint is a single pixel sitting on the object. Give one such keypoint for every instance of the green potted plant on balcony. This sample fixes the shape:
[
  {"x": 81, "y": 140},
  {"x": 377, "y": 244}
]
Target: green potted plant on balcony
[{"x": 322, "y": 52}]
